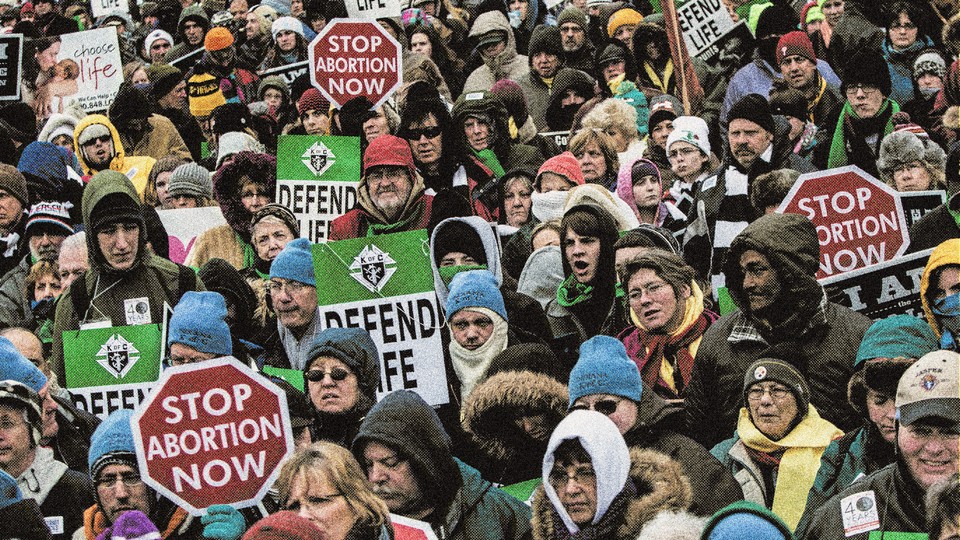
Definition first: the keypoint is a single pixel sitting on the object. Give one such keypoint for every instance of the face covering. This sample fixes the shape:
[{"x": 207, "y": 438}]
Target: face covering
[
  {"x": 547, "y": 206},
  {"x": 515, "y": 19},
  {"x": 948, "y": 311},
  {"x": 929, "y": 92},
  {"x": 447, "y": 272}
]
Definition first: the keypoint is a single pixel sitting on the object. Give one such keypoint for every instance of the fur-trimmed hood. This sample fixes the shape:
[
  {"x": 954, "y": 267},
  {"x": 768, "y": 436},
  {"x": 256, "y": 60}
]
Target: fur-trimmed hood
[
  {"x": 492, "y": 400},
  {"x": 902, "y": 147},
  {"x": 661, "y": 485}
]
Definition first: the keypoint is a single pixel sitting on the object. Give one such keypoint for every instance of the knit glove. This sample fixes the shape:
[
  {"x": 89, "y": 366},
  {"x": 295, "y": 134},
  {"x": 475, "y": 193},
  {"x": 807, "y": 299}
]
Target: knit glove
[
  {"x": 9, "y": 491},
  {"x": 223, "y": 522}
]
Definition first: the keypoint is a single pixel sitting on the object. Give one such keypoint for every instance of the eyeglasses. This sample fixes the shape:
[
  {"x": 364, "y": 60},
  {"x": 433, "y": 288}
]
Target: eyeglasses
[
  {"x": 651, "y": 289},
  {"x": 866, "y": 89},
  {"x": 108, "y": 482},
  {"x": 603, "y": 406},
  {"x": 582, "y": 476},
  {"x": 776, "y": 392},
  {"x": 684, "y": 152},
  {"x": 292, "y": 287},
  {"x": 336, "y": 374},
  {"x": 414, "y": 134},
  {"x": 903, "y": 26}
]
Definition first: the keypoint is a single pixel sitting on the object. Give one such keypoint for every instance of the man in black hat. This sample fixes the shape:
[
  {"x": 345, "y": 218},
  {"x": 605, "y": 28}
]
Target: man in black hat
[
  {"x": 169, "y": 90},
  {"x": 721, "y": 209},
  {"x": 142, "y": 132},
  {"x": 546, "y": 61}
]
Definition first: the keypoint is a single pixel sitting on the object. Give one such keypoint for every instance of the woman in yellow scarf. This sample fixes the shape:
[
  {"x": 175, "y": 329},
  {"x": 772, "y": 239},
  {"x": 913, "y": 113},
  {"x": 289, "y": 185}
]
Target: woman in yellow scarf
[{"x": 775, "y": 452}]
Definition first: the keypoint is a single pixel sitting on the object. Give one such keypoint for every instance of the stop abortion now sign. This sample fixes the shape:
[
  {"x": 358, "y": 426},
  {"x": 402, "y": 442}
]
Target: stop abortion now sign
[
  {"x": 859, "y": 219},
  {"x": 351, "y": 58},
  {"x": 213, "y": 432}
]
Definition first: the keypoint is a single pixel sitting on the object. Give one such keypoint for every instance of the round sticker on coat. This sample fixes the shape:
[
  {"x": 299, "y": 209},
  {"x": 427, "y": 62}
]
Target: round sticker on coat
[{"x": 760, "y": 372}]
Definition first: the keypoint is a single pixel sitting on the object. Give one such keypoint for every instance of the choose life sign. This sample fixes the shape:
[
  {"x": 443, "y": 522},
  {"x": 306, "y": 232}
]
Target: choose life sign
[
  {"x": 384, "y": 285},
  {"x": 317, "y": 179}
]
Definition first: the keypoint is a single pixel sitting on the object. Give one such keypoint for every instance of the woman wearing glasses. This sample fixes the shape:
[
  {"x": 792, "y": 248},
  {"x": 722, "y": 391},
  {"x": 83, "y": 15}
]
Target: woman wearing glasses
[
  {"x": 906, "y": 37},
  {"x": 865, "y": 118},
  {"x": 595, "y": 487},
  {"x": 324, "y": 484},
  {"x": 775, "y": 452},
  {"x": 341, "y": 381},
  {"x": 607, "y": 381}
]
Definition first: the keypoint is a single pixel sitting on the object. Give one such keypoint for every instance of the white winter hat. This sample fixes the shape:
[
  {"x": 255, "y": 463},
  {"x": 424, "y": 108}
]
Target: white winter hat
[
  {"x": 290, "y": 24},
  {"x": 692, "y": 130}
]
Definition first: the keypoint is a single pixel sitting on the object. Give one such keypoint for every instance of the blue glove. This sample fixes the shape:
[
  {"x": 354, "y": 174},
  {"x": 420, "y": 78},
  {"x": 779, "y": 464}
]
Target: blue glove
[
  {"x": 9, "y": 491},
  {"x": 223, "y": 522}
]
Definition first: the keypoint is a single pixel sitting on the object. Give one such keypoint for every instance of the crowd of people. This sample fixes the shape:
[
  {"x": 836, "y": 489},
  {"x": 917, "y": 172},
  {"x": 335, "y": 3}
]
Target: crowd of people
[{"x": 635, "y": 342}]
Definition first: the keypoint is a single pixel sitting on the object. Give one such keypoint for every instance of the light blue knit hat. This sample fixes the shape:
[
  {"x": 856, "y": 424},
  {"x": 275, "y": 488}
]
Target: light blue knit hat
[
  {"x": 604, "y": 368},
  {"x": 295, "y": 263},
  {"x": 475, "y": 288},
  {"x": 199, "y": 321}
]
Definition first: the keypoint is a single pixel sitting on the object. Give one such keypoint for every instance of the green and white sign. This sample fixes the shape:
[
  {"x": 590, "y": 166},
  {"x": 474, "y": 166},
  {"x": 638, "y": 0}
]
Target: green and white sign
[
  {"x": 384, "y": 284},
  {"x": 111, "y": 368},
  {"x": 317, "y": 180}
]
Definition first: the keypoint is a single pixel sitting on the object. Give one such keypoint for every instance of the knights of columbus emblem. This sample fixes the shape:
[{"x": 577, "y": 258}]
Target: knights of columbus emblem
[
  {"x": 372, "y": 268},
  {"x": 318, "y": 158},
  {"x": 117, "y": 356}
]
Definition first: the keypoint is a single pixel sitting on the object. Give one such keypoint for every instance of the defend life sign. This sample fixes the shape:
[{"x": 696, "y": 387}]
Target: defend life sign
[
  {"x": 704, "y": 23},
  {"x": 317, "y": 179},
  {"x": 111, "y": 368},
  {"x": 213, "y": 432},
  {"x": 372, "y": 9},
  {"x": 11, "y": 54},
  {"x": 351, "y": 58},
  {"x": 106, "y": 7},
  {"x": 384, "y": 285},
  {"x": 859, "y": 219},
  {"x": 88, "y": 70}
]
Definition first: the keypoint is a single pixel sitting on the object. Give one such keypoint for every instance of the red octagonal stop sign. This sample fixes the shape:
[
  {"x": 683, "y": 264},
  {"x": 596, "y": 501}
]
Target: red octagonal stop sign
[
  {"x": 353, "y": 57},
  {"x": 859, "y": 219},
  {"x": 214, "y": 432}
]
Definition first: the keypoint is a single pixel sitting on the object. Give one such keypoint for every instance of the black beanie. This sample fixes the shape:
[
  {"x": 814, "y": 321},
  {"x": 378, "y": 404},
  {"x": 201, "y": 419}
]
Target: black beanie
[
  {"x": 753, "y": 107},
  {"x": 769, "y": 369},
  {"x": 163, "y": 79},
  {"x": 230, "y": 117},
  {"x": 545, "y": 39},
  {"x": 776, "y": 20},
  {"x": 354, "y": 114},
  {"x": 131, "y": 103},
  {"x": 458, "y": 236},
  {"x": 867, "y": 67}
]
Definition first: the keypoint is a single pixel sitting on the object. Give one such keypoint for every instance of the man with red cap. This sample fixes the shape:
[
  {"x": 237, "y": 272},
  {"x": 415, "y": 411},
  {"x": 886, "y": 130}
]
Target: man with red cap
[
  {"x": 798, "y": 65},
  {"x": 390, "y": 196}
]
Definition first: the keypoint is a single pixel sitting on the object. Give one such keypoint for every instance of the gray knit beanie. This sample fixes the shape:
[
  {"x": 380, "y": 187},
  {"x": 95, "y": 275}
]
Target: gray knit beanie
[{"x": 192, "y": 180}]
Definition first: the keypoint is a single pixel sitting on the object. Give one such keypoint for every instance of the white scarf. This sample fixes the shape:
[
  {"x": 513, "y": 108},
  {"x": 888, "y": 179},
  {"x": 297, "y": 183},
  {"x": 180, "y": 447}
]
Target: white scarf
[
  {"x": 548, "y": 206},
  {"x": 471, "y": 366}
]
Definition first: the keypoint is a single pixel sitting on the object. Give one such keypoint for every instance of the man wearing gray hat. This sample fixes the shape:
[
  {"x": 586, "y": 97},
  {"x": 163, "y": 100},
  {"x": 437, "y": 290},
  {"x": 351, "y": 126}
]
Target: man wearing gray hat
[{"x": 928, "y": 428}]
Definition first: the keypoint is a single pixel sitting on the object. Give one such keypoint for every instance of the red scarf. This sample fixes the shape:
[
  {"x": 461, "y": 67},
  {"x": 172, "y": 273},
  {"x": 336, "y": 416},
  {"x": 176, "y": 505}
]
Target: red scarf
[{"x": 671, "y": 347}]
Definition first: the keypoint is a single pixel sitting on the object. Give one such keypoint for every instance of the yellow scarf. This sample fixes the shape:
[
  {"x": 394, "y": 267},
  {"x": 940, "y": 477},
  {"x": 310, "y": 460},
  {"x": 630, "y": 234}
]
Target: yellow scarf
[
  {"x": 799, "y": 464},
  {"x": 692, "y": 309},
  {"x": 667, "y": 73}
]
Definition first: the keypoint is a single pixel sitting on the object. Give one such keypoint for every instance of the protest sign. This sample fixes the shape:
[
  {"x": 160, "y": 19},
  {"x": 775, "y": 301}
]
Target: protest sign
[
  {"x": 289, "y": 72},
  {"x": 184, "y": 225},
  {"x": 87, "y": 70},
  {"x": 213, "y": 432},
  {"x": 405, "y": 528},
  {"x": 100, "y": 8},
  {"x": 881, "y": 290},
  {"x": 317, "y": 179},
  {"x": 916, "y": 204},
  {"x": 384, "y": 285},
  {"x": 351, "y": 58},
  {"x": 859, "y": 219},
  {"x": 185, "y": 62},
  {"x": 11, "y": 64},
  {"x": 705, "y": 24},
  {"x": 111, "y": 368},
  {"x": 561, "y": 138},
  {"x": 372, "y": 9}
]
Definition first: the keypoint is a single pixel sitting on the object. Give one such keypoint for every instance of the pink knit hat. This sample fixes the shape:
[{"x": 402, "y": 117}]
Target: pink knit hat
[{"x": 566, "y": 165}]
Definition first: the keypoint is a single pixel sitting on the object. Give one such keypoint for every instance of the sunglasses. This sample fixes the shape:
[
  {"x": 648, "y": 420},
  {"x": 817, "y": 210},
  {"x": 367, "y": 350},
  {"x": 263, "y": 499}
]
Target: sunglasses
[
  {"x": 412, "y": 134},
  {"x": 104, "y": 139},
  {"x": 316, "y": 375},
  {"x": 605, "y": 407}
]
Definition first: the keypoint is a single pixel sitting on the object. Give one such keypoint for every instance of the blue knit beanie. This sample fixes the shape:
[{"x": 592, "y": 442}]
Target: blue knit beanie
[
  {"x": 14, "y": 367},
  {"x": 199, "y": 321},
  {"x": 475, "y": 288},
  {"x": 604, "y": 368},
  {"x": 112, "y": 443},
  {"x": 295, "y": 263},
  {"x": 730, "y": 523},
  {"x": 897, "y": 336}
]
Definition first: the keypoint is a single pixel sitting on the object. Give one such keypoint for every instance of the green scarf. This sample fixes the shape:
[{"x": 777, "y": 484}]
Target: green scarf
[
  {"x": 447, "y": 272},
  {"x": 838, "y": 147},
  {"x": 571, "y": 292},
  {"x": 955, "y": 214},
  {"x": 403, "y": 225},
  {"x": 490, "y": 160},
  {"x": 249, "y": 256}
]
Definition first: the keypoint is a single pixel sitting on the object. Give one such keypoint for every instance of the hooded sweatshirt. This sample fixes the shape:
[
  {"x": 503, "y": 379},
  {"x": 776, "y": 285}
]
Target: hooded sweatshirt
[
  {"x": 946, "y": 253},
  {"x": 150, "y": 279},
  {"x": 668, "y": 215},
  {"x": 136, "y": 168},
  {"x": 183, "y": 47},
  {"x": 507, "y": 65}
]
